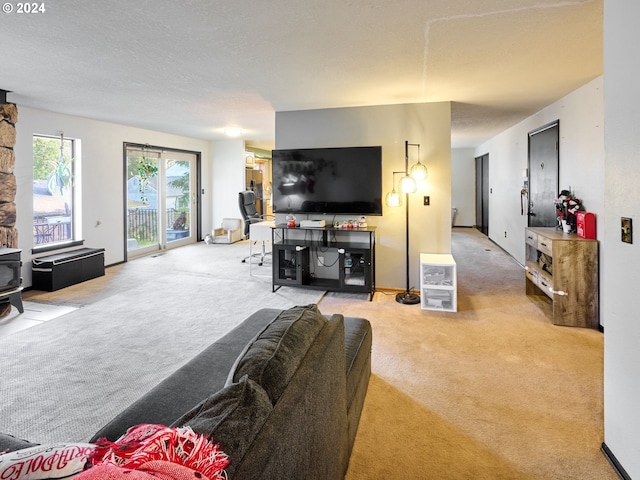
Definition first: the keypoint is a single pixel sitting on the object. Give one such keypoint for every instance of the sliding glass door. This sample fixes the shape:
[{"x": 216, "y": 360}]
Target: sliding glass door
[{"x": 161, "y": 201}]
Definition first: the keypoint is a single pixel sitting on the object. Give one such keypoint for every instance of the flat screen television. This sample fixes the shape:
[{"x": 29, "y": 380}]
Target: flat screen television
[{"x": 333, "y": 181}]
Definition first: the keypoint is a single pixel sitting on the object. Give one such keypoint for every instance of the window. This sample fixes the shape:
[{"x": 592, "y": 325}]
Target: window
[{"x": 55, "y": 163}]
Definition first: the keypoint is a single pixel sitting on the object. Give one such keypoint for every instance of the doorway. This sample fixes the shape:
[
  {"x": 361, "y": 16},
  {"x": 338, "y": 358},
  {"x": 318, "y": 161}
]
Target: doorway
[
  {"x": 482, "y": 193},
  {"x": 544, "y": 162},
  {"x": 161, "y": 205}
]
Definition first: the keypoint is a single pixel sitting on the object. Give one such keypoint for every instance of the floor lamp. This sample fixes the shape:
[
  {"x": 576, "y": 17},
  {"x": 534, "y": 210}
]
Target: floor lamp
[{"x": 393, "y": 199}]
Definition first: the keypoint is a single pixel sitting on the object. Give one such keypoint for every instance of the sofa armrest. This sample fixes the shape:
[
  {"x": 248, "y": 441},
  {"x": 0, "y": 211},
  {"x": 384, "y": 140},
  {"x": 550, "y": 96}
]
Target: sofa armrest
[{"x": 306, "y": 434}]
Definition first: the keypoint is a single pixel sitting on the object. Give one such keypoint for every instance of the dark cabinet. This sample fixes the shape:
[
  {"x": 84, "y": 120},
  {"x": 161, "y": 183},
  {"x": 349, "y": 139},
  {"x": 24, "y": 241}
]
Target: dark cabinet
[
  {"x": 332, "y": 259},
  {"x": 61, "y": 270},
  {"x": 355, "y": 270},
  {"x": 290, "y": 265}
]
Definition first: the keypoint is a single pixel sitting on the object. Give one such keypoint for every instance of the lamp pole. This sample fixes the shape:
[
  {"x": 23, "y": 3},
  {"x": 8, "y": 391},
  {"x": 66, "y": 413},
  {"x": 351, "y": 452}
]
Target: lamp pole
[{"x": 407, "y": 297}]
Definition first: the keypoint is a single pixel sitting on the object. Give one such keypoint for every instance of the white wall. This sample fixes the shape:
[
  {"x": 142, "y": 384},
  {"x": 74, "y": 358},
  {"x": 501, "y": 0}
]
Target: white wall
[
  {"x": 227, "y": 179},
  {"x": 102, "y": 176},
  {"x": 389, "y": 126},
  {"x": 581, "y": 115},
  {"x": 463, "y": 186},
  {"x": 620, "y": 285}
]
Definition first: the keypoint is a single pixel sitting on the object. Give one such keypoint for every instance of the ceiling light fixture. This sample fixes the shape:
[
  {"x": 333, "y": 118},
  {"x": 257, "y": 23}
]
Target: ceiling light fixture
[{"x": 233, "y": 132}]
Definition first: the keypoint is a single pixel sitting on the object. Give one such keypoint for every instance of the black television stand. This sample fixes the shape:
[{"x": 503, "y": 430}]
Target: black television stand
[{"x": 327, "y": 258}]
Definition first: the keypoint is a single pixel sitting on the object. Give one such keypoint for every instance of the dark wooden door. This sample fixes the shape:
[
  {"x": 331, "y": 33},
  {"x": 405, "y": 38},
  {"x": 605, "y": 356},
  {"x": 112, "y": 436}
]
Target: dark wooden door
[
  {"x": 482, "y": 193},
  {"x": 544, "y": 161}
]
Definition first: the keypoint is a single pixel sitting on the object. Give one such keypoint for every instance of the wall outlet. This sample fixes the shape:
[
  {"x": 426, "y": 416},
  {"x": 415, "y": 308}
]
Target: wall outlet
[
  {"x": 321, "y": 261},
  {"x": 626, "y": 230}
]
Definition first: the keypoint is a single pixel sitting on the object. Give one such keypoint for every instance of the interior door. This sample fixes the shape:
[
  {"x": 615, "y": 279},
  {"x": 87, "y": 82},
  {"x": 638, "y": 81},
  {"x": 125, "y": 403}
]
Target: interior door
[
  {"x": 161, "y": 210},
  {"x": 544, "y": 163},
  {"x": 482, "y": 193}
]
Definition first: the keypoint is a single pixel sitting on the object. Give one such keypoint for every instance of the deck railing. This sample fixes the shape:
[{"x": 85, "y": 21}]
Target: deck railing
[{"x": 142, "y": 224}]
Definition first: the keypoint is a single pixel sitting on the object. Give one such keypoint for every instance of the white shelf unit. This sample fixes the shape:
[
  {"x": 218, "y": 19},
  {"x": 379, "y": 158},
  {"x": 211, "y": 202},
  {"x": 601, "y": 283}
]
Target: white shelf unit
[{"x": 438, "y": 282}]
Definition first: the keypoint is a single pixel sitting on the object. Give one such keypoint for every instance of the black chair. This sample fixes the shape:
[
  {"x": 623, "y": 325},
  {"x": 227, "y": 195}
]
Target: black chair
[{"x": 249, "y": 212}]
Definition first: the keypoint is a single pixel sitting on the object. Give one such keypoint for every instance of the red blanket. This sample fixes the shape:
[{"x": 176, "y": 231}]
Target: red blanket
[
  {"x": 157, "y": 452},
  {"x": 154, "y": 470}
]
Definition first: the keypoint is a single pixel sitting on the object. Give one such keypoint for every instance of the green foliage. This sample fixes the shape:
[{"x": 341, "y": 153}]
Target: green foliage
[
  {"x": 46, "y": 152},
  {"x": 61, "y": 176},
  {"x": 52, "y": 165},
  {"x": 183, "y": 184},
  {"x": 133, "y": 164},
  {"x": 144, "y": 168},
  {"x": 147, "y": 169}
]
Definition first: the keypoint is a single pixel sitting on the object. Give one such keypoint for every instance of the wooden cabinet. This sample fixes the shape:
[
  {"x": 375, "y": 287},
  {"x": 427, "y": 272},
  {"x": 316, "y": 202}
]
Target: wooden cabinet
[
  {"x": 561, "y": 271},
  {"x": 438, "y": 282}
]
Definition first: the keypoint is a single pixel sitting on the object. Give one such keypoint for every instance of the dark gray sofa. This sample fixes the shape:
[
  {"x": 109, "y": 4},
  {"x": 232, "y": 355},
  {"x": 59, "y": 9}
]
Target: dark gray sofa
[{"x": 282, "y": 394}]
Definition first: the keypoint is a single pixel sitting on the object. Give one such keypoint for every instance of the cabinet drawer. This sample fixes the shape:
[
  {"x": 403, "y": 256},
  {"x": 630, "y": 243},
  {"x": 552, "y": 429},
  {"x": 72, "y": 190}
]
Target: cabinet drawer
[
  {"x": 439, "y": 299},
  {"x": 545, "y": 283},
  {"x": 545, "y": 245},
  {"x": 531, "y": 238},
  {"x": 531, "y": 274}
]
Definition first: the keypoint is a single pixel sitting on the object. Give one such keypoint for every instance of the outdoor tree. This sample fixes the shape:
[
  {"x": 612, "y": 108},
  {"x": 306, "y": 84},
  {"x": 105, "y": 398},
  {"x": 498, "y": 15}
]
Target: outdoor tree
[{"x": 45, "y": 152}]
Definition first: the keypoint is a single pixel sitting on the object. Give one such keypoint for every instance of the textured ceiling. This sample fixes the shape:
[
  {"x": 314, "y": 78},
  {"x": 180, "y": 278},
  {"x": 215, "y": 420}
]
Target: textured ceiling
[{"x": 195, "y": 67}]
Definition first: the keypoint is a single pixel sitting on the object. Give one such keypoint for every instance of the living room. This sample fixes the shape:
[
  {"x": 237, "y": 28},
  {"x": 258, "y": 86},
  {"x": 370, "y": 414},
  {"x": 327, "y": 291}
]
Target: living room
[{"x": 595, "y": 125}]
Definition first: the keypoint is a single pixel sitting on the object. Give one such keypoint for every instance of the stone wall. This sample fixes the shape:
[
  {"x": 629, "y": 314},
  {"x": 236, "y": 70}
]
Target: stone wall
[{"x": 8, "y": 120}]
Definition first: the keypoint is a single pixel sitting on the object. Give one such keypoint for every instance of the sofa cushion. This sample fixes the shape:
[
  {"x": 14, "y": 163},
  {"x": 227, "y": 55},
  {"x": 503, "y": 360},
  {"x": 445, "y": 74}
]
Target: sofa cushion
[
  {"x": 274, "y": 355},
  {"x": 231, "y": 417},
  {"x": 9, "y": 443}
]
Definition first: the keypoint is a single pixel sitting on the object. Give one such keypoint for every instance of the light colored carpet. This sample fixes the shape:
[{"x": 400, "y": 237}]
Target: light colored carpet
[
  {"x": 64, "y": 379},
  {"x": 494, "y": 391}
]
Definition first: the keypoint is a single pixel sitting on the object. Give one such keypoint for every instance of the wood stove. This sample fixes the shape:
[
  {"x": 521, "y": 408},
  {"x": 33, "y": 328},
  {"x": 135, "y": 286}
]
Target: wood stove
[
  {"x": 10, "y": 277},
  {"x": 10, "y": 271}
]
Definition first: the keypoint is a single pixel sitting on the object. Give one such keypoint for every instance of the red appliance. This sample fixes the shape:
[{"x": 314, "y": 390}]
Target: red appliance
[{"x": 586, "y": 225}]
